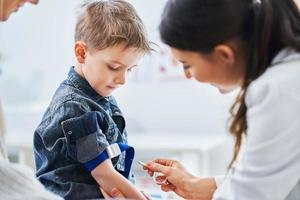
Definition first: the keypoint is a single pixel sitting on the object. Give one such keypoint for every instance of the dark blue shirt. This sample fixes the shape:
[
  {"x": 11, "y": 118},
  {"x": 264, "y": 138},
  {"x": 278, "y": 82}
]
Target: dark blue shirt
[{"x": 77, "y": 126}]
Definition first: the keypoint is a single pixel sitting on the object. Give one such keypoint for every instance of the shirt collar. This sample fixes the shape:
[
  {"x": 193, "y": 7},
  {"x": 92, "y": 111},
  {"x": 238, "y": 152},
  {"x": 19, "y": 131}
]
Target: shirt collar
[
  {"x": 82, "y": 84},
  {"x": 285, "y": 55}
]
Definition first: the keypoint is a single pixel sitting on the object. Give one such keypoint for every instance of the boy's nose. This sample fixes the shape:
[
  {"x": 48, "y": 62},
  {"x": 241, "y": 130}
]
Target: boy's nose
[
  {"x": 188, "y": 74},
  {"x": 121, "y": 79},
  {"x": 33, "y": 1}
]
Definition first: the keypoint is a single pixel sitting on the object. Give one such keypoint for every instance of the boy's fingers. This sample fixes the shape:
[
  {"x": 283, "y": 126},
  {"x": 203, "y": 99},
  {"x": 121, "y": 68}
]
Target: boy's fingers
[
  {"x": 146, "y": 195},
  {"x": 116, "y": 193},
  {"x": 105, "y": 195}
]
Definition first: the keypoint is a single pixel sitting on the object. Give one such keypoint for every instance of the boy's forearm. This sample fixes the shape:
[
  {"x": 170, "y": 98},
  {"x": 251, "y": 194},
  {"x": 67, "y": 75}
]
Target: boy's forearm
[{"x": 108, "y": 178}]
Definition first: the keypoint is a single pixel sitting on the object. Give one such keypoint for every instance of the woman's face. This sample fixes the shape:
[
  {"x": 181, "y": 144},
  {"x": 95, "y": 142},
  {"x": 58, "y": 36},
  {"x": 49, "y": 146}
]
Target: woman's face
[
  {"x": 219, "y": 68},
  {"x": 7, "y": 7}
]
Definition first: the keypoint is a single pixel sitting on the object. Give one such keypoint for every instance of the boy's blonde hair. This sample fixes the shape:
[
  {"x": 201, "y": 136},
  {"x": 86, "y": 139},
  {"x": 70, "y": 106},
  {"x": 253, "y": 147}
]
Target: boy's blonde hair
[{"x": 106, "y": 23}]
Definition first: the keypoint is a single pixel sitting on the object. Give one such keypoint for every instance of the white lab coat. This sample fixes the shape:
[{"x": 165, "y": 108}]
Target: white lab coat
[
  {"x": 269, "y": 166},
  {"x": 18, "y": 182}
]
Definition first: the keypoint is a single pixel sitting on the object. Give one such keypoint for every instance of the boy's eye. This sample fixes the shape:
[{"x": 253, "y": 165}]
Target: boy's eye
[
  {"x": 112, "y": 68},
  {"x": 131, "y": 69},
  {"x": 185, "y": 67}
]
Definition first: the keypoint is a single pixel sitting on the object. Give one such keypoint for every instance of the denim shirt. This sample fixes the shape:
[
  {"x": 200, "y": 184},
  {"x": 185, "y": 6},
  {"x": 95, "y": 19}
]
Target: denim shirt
[{"x": 77, "y": 126}]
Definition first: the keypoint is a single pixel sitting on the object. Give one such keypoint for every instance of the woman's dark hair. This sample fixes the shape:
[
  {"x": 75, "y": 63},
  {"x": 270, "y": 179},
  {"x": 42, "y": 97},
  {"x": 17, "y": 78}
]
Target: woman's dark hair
[{"x": 264, "y": 26}]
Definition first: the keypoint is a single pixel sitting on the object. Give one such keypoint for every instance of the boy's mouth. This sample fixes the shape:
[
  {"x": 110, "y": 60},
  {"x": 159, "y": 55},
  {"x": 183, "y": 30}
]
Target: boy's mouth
[
  {"x": 17, "y": 7},
  {"x": 112, "y": 87}
]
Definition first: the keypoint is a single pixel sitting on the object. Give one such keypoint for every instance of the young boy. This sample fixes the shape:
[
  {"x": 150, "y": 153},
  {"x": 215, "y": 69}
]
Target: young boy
[{"x": 77, "y": 134}]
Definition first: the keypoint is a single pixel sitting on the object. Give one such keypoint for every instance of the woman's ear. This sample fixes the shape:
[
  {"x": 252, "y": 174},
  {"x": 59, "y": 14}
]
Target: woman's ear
[
  {"x": 80, "y": 52},
  {"x": 224, "y": 54}
]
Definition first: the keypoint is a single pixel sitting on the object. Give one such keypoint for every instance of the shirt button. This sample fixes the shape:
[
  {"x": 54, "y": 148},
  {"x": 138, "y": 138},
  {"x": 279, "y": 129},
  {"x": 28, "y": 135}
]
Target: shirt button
[
  {"x": 118, "y": 166},
  {"x": 69, "y": 132}
]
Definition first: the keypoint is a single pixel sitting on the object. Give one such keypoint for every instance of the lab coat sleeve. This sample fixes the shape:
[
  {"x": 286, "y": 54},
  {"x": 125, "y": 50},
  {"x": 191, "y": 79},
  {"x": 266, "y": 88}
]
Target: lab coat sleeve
[{"x": 219, "y": 180}]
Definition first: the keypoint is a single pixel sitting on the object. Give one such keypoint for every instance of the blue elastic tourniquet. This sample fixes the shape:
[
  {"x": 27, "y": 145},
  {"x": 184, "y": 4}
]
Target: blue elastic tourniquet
[{"x": 91, "y": 165}]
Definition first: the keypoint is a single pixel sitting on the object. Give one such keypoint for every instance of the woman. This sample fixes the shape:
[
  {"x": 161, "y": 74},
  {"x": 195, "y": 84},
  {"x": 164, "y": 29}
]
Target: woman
[
  {"x": 254, "y": 45},
  {"x": 2, "y": 131},
  {"x": 7, "y": 7},
  {"x": 17, "y": 181}
]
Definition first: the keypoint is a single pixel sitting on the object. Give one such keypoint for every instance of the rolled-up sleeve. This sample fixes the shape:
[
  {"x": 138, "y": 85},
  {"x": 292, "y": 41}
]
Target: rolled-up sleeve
[{"x": 84, "y": 137}]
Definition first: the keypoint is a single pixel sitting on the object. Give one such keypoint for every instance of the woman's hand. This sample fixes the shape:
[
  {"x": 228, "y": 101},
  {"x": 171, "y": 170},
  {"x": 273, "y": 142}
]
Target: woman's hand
[{"x": 176, "y": 178}]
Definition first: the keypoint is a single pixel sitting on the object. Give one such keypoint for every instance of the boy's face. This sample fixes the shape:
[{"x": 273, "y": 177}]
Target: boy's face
[
  {"x": 106, "y": 70},
  {"x": 9, "y": 6}
]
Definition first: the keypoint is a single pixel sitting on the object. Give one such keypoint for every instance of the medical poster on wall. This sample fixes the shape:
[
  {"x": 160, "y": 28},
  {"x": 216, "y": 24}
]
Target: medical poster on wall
[{"x": 158, "y": 67}]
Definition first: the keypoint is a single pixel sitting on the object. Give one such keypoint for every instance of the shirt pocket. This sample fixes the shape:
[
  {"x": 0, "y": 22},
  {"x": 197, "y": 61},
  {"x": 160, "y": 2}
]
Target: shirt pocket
[{"x": 85, "y": 139}]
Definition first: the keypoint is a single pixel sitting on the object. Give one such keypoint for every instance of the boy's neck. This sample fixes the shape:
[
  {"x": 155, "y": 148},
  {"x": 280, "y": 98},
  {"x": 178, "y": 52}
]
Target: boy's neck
[{"x": 78, "y": 69}]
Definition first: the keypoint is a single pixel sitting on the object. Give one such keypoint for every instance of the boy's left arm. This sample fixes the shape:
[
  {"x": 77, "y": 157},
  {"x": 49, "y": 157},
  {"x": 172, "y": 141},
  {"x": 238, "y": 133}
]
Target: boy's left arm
[
  {"x": 84, "y": 137},
  {"x": 85, "y": 143},
  {"x": 108, "y": 178}
]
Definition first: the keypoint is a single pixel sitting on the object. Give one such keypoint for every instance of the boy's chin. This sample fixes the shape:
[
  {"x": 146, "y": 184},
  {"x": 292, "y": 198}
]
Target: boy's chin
[
  {"x": 105, "y": 94},
  {"x": 4, "y": 18},
  {"x": 224, "y": 91}
]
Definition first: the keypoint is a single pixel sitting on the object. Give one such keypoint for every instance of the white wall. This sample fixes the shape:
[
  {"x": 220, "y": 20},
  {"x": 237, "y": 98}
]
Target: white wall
[
  {"x": 37, "y": 47},
  {"x": 37, "y": 51},
  {"x": 37, "y": 43}
]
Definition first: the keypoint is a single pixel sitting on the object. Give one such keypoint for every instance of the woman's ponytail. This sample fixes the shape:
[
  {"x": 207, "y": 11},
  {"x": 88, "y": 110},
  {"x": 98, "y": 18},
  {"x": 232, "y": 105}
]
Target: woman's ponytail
[{"x": 272, "y": 25}]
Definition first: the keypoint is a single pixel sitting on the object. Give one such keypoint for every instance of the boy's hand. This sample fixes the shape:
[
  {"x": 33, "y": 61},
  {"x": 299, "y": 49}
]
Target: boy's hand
[{"x": 115, "y": 193}]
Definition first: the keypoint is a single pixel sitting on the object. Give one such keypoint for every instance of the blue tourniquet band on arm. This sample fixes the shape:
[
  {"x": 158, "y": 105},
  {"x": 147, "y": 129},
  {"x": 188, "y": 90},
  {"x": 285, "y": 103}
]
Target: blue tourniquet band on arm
[{"x": 113, "y": 151}]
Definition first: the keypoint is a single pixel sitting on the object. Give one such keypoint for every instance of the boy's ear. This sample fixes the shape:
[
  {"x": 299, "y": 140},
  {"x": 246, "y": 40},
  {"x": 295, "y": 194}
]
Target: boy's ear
[
  {"x": 80, "y": 52},
  {"x": 224, "y": 54}
]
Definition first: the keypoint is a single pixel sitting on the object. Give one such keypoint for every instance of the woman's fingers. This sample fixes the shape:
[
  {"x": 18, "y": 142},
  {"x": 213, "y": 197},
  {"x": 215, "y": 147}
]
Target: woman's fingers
[
  {"x": 164, "y": 183},
  {"x": 161, "y": 180},
  {"x": 165, "y": 162},
  {"x": 155, "y": 167},
  {"x": 159, "y": 165},
  {"x": 167, "y": 188},
  {"x": 148, "y": 170},
  {"x": 152, "y": 167},
  {"x": 151, "y": 173}
]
